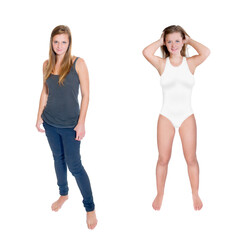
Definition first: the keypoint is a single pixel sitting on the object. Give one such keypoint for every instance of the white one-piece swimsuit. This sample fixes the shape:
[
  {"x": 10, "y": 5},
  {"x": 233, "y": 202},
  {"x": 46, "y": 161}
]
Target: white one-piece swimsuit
[{"x": 177, "y": 83}]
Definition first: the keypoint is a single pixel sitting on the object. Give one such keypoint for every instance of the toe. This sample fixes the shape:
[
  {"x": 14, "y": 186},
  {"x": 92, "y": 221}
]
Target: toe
[
  {"x": 88, "y": 225},
  {"x": 55, "y": 209}
]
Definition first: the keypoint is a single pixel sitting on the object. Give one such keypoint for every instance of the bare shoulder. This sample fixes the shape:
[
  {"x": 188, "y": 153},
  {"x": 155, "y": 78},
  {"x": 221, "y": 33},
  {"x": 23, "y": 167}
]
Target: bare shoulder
[
  {"x": 80, "y": 64},
  {"x": 162, "y": 61},
  {"x": 162, "y": 64},
  {"x": 191, "y": 64},
  {"x": 190, "y": 59},
  {"x": 196, "y": 60},
  {"x": 80, "y": 61},
  {"x": 45, "y": 63}
]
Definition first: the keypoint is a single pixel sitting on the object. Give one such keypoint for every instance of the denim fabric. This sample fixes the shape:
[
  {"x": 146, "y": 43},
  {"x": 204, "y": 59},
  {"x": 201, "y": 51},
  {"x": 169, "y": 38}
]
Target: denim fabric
[{"x": 66, "y": 153}]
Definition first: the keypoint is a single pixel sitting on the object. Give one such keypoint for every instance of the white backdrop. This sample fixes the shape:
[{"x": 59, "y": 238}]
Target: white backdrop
[{"x": 119, "y": 150}]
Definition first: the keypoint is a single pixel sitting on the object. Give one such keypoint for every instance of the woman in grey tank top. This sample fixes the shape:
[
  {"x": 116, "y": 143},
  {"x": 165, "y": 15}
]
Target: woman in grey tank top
[{"x": 62, "y": 117}]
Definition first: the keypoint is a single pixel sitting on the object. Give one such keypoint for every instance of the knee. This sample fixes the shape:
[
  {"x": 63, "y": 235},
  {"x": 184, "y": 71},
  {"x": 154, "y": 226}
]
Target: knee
[
  {"x": 163, "y": 160},
  {"x": 191, "y": 160},
  {"x": 58, "y": 157},
  {"x": 76, "y": 170},
  {"x": 75, "y": 167}
]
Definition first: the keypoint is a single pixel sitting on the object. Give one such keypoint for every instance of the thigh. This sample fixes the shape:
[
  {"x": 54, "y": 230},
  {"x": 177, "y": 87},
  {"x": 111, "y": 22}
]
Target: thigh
[
  {"x": 165, "y": 136},
  {"x": 71, "y": 146},
  {"x": 188, "y": 135},
  {"x": 54, "y": 139}
]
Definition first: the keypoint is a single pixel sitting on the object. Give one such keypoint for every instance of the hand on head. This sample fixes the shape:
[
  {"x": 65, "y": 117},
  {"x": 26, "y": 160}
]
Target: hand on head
[
  {"x": 162, "y": 39},
  {"x": 186, "y": 40}
]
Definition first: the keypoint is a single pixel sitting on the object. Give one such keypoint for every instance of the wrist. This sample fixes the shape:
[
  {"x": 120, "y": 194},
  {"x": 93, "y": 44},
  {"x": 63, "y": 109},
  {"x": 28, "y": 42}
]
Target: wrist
[
  {"x": 161, "y": 43},
  {"x": 39, "y": 118},
  {"x": 190, "y": 41}
]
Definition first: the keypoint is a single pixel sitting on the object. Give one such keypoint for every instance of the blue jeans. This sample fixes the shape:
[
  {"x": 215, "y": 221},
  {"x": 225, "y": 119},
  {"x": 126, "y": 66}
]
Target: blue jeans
[{"x": 66, "y": 153}]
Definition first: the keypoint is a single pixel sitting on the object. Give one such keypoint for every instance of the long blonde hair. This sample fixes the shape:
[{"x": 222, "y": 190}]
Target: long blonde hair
[
  {"x": 173, "y": 29},
  {"x": 66, "y": 63}
]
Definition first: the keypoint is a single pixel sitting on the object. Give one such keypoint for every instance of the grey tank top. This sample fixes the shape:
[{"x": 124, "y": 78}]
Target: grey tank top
[{"x": 62, "y": 109}]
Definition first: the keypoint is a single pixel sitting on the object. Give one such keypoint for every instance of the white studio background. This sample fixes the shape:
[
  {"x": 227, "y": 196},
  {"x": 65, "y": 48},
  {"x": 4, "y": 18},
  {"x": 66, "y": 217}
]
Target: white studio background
[{"x": 119, "y": 150}]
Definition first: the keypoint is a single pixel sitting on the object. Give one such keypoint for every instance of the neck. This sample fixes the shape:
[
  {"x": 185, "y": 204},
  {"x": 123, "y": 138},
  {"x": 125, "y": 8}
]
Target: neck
[
  {"x": 175, "y": 56},
  {"x": 59, "y": 59}
]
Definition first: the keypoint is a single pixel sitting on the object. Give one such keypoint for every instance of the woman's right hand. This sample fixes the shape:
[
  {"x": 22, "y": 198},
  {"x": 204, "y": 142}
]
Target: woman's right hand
[
  {"x": 39, "y": 122},
  {"x": 162, "y": 40}
]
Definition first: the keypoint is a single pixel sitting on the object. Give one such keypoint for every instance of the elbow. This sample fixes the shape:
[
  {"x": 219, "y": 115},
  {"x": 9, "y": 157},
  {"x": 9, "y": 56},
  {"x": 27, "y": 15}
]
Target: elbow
[
  {"x": 85, "y": 97},
  {"x": 145, "y": 52},
  {"x": 204, "y": 54},
  {"x": 207, "y": 52}
]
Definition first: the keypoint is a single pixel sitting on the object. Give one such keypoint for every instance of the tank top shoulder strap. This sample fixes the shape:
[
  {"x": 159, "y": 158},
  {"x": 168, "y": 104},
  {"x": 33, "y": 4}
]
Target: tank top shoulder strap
[
  {"x": 184, "y": 63},
  {"x": 74, "y": 63},
  {"x": 167, "y": 60},
  {"x": 167, "y": 63}
]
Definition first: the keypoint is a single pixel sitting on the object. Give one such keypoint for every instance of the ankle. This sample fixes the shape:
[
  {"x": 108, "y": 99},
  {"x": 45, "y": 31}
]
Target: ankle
[
  {"x": 195, "y": 193},
  {"x": 91, "y": 212},
  {"x": 64, "y": 196},
  {"x": 160, "y": 194}
]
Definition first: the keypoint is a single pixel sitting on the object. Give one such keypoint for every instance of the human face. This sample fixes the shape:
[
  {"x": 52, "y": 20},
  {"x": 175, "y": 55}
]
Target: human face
[
  {"x": 60, "y": 43},
  {"x": 174, "y": 43}
]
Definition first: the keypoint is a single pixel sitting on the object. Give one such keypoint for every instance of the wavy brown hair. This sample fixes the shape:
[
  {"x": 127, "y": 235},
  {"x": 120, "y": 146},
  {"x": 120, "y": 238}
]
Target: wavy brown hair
[
  {"x": 173, "y": 29},
  {"x": 66, "y": 63}
]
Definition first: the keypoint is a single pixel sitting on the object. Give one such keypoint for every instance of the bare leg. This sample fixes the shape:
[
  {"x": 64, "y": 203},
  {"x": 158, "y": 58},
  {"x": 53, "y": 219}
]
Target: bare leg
[
  {"x": 58, "y": 204},
  {"x": 91, "y": 220},
  {"x": 188, "y": 134},
  {"x": 165, "y": 135}
]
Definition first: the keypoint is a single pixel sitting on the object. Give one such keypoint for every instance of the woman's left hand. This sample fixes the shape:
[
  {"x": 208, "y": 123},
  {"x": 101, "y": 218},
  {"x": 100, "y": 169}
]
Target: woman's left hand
[
  {"x": 80, "y": 132},
  {"x": 186, "y": 40}
]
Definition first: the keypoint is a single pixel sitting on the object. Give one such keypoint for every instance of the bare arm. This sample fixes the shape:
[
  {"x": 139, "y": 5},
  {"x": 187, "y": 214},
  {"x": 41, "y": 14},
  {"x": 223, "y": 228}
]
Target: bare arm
[
  {"x": 203, "y": 53},
  {"x": 82, "y": 71},
  {"x": 149, "y": 51},
  {"x": 42, "y": 103}
]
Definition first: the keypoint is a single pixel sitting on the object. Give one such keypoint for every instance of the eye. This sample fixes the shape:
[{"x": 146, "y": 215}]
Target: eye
[
  {"x": 55, "y": 41},
  {"x": 177, "y": 41},
  {"x": 64, "y": 42},
  {"x": 169, "y": 41}
]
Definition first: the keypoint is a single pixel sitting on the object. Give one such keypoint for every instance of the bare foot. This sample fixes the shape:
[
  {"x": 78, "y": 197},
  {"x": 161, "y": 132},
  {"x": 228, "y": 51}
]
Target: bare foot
[
  {"x": 157, "y": 203},
  {"x": 91, "y": 220},
  {"x": 58, "y": 204},
  {"x": 197, "y": 203}
]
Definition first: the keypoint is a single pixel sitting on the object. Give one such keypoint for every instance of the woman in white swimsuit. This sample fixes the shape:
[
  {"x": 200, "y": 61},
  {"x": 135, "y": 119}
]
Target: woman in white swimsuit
[{"x": 177, "y": 80}]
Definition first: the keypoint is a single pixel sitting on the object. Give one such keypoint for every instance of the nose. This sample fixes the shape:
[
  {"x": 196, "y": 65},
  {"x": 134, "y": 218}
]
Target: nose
[{"x": 59, "y": 45}]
